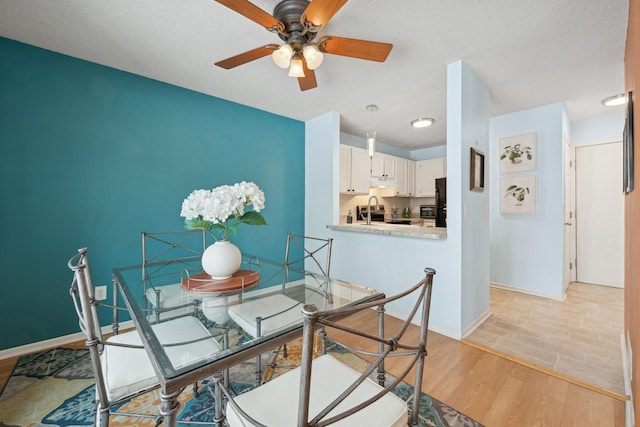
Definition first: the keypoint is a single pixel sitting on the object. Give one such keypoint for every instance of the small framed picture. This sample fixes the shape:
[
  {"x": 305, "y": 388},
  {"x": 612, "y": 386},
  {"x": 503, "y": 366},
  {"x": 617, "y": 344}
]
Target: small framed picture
[
  {"x": 518, "y": 195},
  {"x": 518, "y": 153},
  {"x": 627, "y": 167},
  {"x": 477, "y": 171}
]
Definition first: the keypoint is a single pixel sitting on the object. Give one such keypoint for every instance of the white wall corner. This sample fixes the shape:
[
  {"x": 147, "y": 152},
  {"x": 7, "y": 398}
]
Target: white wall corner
[
  {"x": 476, "y": 323},
  {"x": 322, "y": 173}
]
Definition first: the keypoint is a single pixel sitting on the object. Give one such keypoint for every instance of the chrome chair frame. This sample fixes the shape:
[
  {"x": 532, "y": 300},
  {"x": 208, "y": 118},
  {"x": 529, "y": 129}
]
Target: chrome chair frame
[
  {"x": 182, "y": 241},
  {"x": 297, "y": 241},
  {"x": 83, "y": 296},
  {"x": 387, "y": 347}
]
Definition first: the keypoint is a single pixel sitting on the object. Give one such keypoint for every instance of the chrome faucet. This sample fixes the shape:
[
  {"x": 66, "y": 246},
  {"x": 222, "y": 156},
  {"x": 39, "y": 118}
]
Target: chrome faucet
[{"x": 369, "y": 208}]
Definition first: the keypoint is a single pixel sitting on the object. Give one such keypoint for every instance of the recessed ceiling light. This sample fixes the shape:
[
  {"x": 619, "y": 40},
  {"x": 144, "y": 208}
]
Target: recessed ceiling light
[
  {"x": 614, "y": 100},
  {"x": 422, "y": 122}
]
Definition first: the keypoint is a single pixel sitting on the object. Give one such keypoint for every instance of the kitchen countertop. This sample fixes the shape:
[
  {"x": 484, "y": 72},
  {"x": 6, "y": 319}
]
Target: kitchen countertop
[{"x": 417, "y": 231}]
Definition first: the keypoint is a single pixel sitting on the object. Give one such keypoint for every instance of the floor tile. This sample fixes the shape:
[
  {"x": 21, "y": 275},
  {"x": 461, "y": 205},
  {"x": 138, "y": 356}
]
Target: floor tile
[{"x": 579, "y": 337}]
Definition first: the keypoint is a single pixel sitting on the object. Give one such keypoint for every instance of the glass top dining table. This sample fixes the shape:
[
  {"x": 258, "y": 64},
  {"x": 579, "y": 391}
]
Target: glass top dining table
[{"x": 160, "y": 291}]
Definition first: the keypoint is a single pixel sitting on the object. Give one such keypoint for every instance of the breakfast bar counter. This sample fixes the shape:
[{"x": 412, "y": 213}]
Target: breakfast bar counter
[{"x": 415, "y": 231}]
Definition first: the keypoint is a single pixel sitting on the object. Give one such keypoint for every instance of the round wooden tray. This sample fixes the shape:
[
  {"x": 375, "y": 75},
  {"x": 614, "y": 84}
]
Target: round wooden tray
[{"x": 242, "y": 279}]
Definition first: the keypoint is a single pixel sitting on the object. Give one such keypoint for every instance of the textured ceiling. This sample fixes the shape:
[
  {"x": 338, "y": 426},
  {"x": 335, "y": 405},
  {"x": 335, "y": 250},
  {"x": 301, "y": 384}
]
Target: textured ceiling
[{"x": 527, "y": 53}]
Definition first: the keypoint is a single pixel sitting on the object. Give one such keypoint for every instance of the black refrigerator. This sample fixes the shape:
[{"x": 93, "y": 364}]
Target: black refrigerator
[{"x": 441, "y": 202}]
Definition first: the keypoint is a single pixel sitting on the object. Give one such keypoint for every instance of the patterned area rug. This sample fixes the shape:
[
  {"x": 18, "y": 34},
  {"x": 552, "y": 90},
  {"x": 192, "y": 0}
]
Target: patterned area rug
[{"x": 55, "y": 388}]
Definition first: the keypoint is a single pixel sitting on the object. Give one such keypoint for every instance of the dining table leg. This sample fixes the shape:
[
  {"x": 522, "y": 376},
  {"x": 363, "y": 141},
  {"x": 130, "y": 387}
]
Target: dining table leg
[
  {"x": 219, "y": 415},
  {"x": 169, "y": 408}
]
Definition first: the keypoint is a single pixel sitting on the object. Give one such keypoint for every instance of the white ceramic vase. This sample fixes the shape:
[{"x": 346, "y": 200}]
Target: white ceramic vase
[
  {"x": 216, "y": 309},
  {"x": 221, "y": 260}
]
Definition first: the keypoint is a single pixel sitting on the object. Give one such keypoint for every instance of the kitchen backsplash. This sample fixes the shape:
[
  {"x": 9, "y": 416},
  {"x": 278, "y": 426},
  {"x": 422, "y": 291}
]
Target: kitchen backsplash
[{"x": 348, "y": 202}]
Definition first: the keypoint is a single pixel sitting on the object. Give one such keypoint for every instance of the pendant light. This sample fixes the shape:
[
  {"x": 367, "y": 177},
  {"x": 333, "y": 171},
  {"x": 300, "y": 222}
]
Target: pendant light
[{"x": 371, "y": 133}]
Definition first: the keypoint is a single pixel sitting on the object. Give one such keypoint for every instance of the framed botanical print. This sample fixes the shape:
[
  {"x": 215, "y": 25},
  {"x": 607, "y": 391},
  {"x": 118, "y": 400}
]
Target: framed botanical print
[
  {"x": 518, "y": 195},
  {"x": 518, "y": 153}
]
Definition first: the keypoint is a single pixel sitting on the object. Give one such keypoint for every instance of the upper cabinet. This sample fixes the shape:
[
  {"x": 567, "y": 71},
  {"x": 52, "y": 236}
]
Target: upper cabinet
[
  {"x": 405, "y": 177},
  {"x": 355, "y": 167},
  {"x": 427, "y": 171},
  {"x": 413, "y": 178},
  {"x": 383, "y": 166}
]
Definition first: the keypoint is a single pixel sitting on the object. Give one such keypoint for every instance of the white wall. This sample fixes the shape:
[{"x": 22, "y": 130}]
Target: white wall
[
  {"x": 527, "y": 250},
  {"x": 388, "y": 263},
  {"x": 361, "y": 142},
  {"x": 599, "y": 129},
  {"x": 393, "y": 263},
  {"x": 429, "y": 153},
  {"x": 467, "y": 127},
  {"x": 322, "y": 173}
]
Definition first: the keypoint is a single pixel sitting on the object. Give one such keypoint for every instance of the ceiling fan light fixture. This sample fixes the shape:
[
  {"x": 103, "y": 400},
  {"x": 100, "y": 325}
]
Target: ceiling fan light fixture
[
  {"x": 614, "y": 100},
  {"x": 313, "y": 56},
  {"x": 282, "y": 55},
  {"x": 422, "y": 122},
  {"x": 296, "y": 69}
]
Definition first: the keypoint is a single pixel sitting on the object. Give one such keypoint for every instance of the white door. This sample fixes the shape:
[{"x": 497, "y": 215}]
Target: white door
[
  {"x": 569, "y": 213},
  {"x": 600, "y": 214}
]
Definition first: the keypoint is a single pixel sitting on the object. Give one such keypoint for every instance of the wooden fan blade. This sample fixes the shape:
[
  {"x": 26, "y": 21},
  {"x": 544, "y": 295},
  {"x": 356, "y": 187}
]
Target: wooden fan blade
[
  {"x": 319, "y": 12},
  {"x": 309, "y": 80},
  {"x": 362, "y": 49},
  {"x": 253, "y": 12},
  {"x": 245, "y": 57}
]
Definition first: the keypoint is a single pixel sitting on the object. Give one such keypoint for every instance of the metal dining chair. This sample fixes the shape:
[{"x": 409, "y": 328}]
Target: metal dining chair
[
  {"x": 121, "y": 366},
  {"x": 162, "y": 246},
  {"x": 330, "y": 392},
  {"x": 266, "y": 314}
]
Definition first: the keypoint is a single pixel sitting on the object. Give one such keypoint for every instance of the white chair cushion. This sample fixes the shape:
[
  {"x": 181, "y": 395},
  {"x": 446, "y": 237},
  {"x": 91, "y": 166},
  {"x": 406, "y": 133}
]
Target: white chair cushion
[
  {"x": 127, "y": 371},
  {"x": 169, "y": 295},
  {"x": 185, "y": 329},
  {"x": 329, "y": 378},
  {"x": 245, "y": 314}
]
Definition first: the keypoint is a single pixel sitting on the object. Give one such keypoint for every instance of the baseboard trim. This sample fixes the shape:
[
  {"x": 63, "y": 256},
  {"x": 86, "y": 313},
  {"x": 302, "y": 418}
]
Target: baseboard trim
[
  {"x": 432, "y": 327},
  {"x": 54, "y": 342},
  {"x": 528, "y": 292},
  {"x": 548, "y": 371},
  {"x": 476, "y": 323}
]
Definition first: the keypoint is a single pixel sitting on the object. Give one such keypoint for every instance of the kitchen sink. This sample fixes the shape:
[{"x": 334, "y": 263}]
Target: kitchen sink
[{"x": 399, "y": 221}]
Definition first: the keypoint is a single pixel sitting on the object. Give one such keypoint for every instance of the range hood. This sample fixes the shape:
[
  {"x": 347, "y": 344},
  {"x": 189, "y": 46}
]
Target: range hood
[{"x": 376, "y": 182}]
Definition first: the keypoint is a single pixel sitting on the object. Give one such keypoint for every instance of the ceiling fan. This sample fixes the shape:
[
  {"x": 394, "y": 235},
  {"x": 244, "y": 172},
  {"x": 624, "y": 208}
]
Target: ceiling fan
[{"x": 297, "y": 22}]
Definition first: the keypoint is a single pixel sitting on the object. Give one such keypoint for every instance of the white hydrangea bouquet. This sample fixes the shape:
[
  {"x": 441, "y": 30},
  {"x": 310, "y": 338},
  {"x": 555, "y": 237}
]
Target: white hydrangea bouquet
[{"x": 222, "y": 210}]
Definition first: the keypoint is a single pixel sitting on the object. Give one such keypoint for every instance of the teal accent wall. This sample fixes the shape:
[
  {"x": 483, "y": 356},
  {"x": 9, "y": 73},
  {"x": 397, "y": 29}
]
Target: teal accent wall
[{"x": 91, "y": 156}]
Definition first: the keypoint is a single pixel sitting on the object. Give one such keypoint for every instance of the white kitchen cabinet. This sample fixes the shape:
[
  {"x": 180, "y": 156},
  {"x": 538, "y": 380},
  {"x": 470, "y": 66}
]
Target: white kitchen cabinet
[
  {"x": 405, "y": 177},
  {"x": 355, "y": 167},
  {"x": 411, "y": 178},
  {"x": 427, "y": 171},
  {"x": 383, "y": 166}
]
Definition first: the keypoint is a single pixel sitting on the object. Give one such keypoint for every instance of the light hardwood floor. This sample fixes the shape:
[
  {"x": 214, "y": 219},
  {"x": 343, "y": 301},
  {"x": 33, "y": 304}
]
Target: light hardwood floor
[
  {"x": 491, "y": 389},
  {"x": 578, "y": 337},
  {"x": 497, "y": 392}
]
